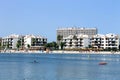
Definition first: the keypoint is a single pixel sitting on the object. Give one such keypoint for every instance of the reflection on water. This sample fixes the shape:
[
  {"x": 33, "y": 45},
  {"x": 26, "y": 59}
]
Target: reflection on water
[{"x": 59, "y": 67}]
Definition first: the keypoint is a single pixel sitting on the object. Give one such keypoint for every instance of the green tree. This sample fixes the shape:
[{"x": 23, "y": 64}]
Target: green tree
[
  {"x": 7, "y": 45},
  {"x": 52, "y": 45},
  {"x": 114, "y": 49},
  {"x": 119, "y": 47},
  {"x": 33, "y": 41},
  {"x": 28, "y": 45},
  {"x": 62, "y": 44},
  {"x": 18, "y": 45},
  {"x": 59, "y": 37},
  {"x": 90, "y": 46},
  {"x": 0, "y": 46}
]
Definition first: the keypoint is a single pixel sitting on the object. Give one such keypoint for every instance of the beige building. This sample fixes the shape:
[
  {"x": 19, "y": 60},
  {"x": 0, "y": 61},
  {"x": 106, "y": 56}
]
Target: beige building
[{"x": 65, "y": 32}]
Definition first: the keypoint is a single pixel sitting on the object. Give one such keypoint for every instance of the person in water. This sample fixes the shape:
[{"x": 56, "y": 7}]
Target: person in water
[{"x": 35, "y": 61}]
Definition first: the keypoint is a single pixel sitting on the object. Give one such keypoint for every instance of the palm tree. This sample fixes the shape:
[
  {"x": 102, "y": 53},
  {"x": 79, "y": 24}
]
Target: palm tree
[
  {"x": 62, "y": 44},
  {"x": 59, "y": 39}
]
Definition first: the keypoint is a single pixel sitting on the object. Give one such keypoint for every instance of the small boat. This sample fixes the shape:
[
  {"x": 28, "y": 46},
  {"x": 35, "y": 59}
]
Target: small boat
[{"x": 102, "y": 63}]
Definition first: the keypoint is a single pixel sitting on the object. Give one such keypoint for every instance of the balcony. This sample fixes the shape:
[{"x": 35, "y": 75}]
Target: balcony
[
  {"x": 68, "y": 40},
  {"x": 74, "y": 44},
  {"x": 74, "y": 40},
  {"x": 67, "y": 44}
]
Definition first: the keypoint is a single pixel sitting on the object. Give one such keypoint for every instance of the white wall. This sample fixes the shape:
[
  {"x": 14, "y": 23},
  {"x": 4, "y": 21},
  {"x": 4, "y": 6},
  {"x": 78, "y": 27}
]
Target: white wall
[
  {"x": 86, "y": 42},
  {"x": 27, "y": 41},
  {"x": 14, "y": 43}
]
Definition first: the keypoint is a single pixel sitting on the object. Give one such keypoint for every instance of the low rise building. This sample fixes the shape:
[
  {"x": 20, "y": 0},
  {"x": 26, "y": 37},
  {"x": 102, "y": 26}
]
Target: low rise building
[
  {"x": 105, "y": 41},
  {"x": 10, "y": 41},
  {"x": 34, "y": 42},
  {"x": 76, "y": 41},
  {"x": 23, "y": 42}
]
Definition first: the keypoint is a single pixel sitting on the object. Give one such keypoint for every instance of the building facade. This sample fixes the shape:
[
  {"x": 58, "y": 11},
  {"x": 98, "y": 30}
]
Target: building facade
[
  {"x": 105, "y": 41},
  {"x": 10, "y": 41},
  {"x": 34, "y": 42},
  {"x": 23, "y": 42},
  {"x": 76, "y": 41},
  {"x": 65, "y": 32}
]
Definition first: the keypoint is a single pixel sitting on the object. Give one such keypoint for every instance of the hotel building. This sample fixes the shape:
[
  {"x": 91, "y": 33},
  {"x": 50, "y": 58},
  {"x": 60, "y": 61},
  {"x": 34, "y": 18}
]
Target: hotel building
[
  {"x": 76, "y": 41},
  {"x": 105, "y": 41},
  {"x": 65, "y": 32},
  {"x": 35, "y": 42},
  {"x": 10, "y": 41}
]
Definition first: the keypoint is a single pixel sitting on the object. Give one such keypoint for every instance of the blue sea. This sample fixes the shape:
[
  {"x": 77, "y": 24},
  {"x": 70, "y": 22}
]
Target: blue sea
[{"x": 39, "y": 66}]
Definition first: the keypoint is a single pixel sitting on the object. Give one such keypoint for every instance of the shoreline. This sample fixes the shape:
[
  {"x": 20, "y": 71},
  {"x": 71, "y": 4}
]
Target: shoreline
[
  {"x": 84, "y": 52},
  {"x": 61, "y": 52}
]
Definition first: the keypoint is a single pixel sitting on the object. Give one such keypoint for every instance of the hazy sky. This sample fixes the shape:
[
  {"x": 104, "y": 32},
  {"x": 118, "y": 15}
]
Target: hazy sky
[{"x": 45, "y": 16}]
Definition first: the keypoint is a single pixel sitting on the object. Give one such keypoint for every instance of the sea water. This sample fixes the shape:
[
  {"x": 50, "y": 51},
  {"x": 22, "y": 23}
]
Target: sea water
[{"x": 59, "y": 66}]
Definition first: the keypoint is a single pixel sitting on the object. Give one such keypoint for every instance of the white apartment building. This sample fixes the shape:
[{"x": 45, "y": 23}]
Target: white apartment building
[
  {"x": 76, "y": 41},
  {"x": 31, "y": 40},
  {"x": 34, "y": 41},
  {"x": 10, "y": 41},
  {"x": 65, "y": 32},
  {"x": 105, "y": 41}
]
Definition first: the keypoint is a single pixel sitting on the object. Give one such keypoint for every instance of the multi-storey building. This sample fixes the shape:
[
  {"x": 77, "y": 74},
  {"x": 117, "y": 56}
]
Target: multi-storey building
[
  {"x": 105, "y": 41},
  {"x": 76, "y": 41},
  {"x": 13, "y": 41},
  {"x": 10, "y": 41},
  {"x": 65, "y": 32},
  {"x": 34, "y": 42}
]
